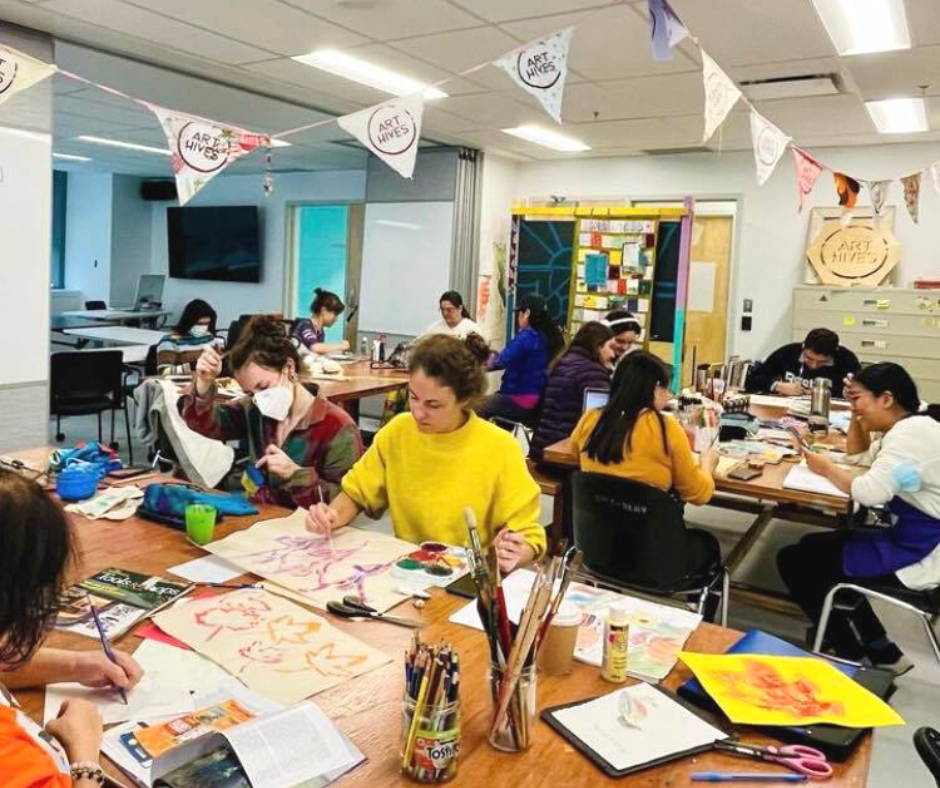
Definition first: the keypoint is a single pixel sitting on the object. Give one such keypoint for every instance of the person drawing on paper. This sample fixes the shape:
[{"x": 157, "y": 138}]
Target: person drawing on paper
[
  {"x": 36, "y": 546},
  {"x": 302, "y": 442},
  {"x": 427, "y": 465},
  {"x": 325, "y": 310},
  {"x": 903, "y": 475},
  {"x": 790, "y": 370}
]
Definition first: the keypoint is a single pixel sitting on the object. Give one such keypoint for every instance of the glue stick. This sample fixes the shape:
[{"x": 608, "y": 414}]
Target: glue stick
[{"x": 616, "y": 640}]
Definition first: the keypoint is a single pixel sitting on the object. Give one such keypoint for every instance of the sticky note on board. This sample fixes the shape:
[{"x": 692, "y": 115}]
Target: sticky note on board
[
  {"x": 583, "y": 253},
  {"x": 584, "y": 239},
  {"x": 580, "y": 300},
  {"x": 613, "y": 271},
  {"x": 633, "y": 286},
  {"x": 648, "y": 272},
  {"x": 646, "y": 287},
  {"x": 613, "y": 285},
  {"x": 613, "y": 241},
  {"x": 643, "y": 305},
  {"x": 622, "y": 286},
  {"x": 577, "y": 314},
  {"x": 632, "y": 305},
  {"x": 597, "y": 241},
  {"x": 616, "y": 257},
  {"x": 580, "y": 271},
  {"x": 848, "y": 320},
  {"x": 631, "y": 254}
]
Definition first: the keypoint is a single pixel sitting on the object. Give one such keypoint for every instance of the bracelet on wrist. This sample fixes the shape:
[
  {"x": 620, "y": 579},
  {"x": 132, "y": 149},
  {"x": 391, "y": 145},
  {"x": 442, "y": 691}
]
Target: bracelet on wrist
[{"x": 86, "y": 770}]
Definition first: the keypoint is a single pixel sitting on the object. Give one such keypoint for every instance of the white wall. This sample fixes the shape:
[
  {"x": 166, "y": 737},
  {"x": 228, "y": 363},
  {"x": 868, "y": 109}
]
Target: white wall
[
  {"x": 771, "y": 234},
  {"x": 131, "y": 225},
  {"x": 88, "y": 234},
  {"x": 230, "y": 299}
]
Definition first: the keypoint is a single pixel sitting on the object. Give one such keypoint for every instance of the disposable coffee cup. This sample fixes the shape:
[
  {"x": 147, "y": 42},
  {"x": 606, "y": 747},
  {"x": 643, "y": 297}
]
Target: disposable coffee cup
[{"x": 557, "y": 652}]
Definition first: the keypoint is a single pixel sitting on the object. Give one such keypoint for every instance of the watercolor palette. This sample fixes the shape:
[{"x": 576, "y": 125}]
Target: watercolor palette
[{"x": 433, "y": 564}]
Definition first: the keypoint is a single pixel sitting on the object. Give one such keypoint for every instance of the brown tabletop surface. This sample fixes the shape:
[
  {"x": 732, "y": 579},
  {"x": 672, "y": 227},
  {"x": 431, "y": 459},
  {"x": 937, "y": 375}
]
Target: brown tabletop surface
[
  {"x": 768, "y": 486},
  {"x": 363, "y": 381},
  {"x": 368, "y": 708}
]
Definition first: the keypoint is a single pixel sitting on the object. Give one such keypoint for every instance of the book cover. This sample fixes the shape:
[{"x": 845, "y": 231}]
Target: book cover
[
  {"x": 157, "y": 739},
  {"x": 147, "y": 592},
  {"x": 217, "y": 769}
]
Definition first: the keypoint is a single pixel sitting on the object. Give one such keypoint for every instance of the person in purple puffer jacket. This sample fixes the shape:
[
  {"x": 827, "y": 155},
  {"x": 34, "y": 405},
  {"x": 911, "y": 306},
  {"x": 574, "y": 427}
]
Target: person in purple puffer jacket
[{"x": 585, "y": 365}]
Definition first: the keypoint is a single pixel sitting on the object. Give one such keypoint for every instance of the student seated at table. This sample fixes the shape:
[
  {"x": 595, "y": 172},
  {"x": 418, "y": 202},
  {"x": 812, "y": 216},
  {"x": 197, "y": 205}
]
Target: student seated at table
[
  {"x": 194, "y": 332},
  {"x": 790, "y": 370},
  {"x": 585, "y": 365},
  {"x": 37, "y": 546},
  {"x": 455, "y": 319},
  {"x": 627, "y": 332},
  {"x": 525, "y": 363},
  {"x": 325, "y": 309},
  {"x": 300, "y": 441},
  {"x": 901, "y": 449},
  {"x": 427, "y": 465}
]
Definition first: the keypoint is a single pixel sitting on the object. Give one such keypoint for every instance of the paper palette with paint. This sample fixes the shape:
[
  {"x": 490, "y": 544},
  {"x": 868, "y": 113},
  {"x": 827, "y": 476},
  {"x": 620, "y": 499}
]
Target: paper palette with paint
[{"x": 433, "y": 564}]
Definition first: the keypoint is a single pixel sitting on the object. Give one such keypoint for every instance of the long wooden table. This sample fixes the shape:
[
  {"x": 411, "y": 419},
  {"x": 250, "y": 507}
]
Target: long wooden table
[
  {"x": 368, "y": 708},
  {"x": 363, "y": 381}
]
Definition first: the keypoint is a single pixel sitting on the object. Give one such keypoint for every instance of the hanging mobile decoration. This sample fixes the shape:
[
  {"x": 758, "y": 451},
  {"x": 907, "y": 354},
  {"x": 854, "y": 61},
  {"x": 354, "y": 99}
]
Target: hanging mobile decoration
[{"x": 267, "y": 182}]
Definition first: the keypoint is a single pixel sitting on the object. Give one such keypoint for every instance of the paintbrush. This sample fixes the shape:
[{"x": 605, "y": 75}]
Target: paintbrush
[{"x": 329, "y": 531}]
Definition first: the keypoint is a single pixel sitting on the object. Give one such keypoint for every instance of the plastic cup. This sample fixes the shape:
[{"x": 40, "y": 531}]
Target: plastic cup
[
  {"x": 200, "y": 523},
  {"x": 557, "y": 651}
]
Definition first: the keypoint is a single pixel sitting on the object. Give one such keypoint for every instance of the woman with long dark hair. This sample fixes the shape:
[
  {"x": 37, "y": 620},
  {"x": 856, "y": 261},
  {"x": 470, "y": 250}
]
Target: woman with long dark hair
[
  {"x": 455, "y": 319},
  {"x": 325, "y": 310},
  {"x": 586, "y": 364},
  {"x": 901, "y": 450},
  {"x": 525, "y": 362},
  {"x": 194, "y": 332}
]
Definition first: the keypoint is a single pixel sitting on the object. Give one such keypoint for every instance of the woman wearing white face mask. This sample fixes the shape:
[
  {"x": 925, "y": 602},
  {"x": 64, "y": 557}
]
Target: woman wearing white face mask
[
  {"x": 194, "y": 332},
  {"x": 300, "y": 442}
]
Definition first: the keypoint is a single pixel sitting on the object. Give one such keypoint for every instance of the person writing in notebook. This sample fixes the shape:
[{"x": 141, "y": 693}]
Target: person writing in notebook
[
  {"x": 36, "y": 547},
  {"x": 900, "y": 448},
  {"x": 790, "y": 370},
  {"x": 324, "y": 312},
  {"x": 426, "y": 466}
]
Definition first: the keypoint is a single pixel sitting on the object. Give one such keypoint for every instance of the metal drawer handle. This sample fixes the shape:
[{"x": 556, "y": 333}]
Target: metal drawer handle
[{"x": 875, "y": 323}]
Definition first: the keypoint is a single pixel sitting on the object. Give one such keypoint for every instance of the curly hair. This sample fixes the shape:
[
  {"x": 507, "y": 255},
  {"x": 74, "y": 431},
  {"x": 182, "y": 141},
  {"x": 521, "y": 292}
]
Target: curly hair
[
  {"x": 449, "y": 361},
  {"x": 36, "y": 548},
  {"x": 477, "y": 345},
  {"x": 264, "y": 341}
]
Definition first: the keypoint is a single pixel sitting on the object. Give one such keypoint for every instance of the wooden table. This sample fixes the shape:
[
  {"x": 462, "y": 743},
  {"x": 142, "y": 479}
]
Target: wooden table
[
  {"x": 362, "y": 381},
  {"x": 368, "y": 708}
]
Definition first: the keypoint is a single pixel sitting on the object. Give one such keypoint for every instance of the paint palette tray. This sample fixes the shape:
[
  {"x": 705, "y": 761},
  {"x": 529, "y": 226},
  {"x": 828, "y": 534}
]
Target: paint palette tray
[{"x": 433, "y": 564}]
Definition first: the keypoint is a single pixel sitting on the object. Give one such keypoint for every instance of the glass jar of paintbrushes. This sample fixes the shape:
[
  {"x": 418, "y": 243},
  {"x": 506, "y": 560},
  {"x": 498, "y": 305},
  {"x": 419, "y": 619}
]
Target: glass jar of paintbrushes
[
  {"x": 430, "y": 726},
  {"x": 513, "y": 731}
]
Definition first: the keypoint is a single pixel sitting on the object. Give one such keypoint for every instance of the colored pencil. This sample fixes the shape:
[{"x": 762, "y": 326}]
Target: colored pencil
[{"x": 108, "y": 652}]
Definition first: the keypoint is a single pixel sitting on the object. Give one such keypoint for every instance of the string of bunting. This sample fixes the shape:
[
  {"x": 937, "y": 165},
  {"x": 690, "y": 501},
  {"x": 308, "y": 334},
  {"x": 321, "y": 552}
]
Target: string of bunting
[{"x": 202, "y": 148}]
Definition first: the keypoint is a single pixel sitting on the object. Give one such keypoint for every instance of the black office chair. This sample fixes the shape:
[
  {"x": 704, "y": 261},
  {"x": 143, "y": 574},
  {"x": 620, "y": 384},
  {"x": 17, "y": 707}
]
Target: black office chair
[
  {"x": 927, "y": 744},
  {"x": 633, "y": 536},
  {"x": 95, "y": 305},
  {"x": 87, "y": 382}
]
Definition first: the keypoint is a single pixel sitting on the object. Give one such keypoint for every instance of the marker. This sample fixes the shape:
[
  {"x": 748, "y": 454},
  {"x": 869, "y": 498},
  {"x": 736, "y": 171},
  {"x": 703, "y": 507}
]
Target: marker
[
  {"x": 747, "y": 777},
  {"x": 107, "y": 648}
]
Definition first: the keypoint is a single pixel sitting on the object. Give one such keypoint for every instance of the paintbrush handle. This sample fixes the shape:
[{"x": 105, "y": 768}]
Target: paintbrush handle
[{"x": 106, "y": 646}]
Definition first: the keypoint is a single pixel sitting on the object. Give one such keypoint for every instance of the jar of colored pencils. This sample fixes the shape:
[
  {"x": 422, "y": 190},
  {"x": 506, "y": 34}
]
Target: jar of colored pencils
[
  {"x": 515, "y": 707},
  {"x": 430, "y": 740}
]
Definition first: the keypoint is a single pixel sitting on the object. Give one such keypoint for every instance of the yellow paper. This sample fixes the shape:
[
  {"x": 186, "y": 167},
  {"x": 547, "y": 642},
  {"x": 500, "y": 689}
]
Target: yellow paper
[
  {"x": 764, "y": 690},
  {"x": 582, "y": 253},
  {"x": 616, "y": 256}
]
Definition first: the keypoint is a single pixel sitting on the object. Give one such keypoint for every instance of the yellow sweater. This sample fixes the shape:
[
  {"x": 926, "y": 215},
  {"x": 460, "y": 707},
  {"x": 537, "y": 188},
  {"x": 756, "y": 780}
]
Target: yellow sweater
[
  {"x": 427, "y": 480},
  {"x": 646, "y": 461}
]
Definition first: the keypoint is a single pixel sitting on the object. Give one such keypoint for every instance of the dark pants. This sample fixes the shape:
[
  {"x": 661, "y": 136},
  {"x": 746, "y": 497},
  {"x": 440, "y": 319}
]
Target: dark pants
[
  {"x": 502, "y": 407},
  {"x": 810, "y": 569}
]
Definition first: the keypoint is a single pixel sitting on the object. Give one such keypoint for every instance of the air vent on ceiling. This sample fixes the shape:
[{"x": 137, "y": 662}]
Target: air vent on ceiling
[
  {"x": 674, "y": 151},
  {"x": 792, "y": 87}
]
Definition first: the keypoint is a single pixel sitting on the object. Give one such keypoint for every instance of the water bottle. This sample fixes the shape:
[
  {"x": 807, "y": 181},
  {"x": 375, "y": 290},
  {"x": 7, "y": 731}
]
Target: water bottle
[{"x": 820, "y": 396}]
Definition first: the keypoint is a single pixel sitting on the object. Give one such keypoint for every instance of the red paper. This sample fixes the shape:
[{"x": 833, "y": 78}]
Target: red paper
[
  {"x": 596, "y": 241},
  {"x": 152, "y": 632},
  {"x": 807, "y": 171}
]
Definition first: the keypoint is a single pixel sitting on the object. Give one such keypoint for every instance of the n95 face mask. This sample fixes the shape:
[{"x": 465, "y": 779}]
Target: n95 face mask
[{"x": 275, "y": 402}]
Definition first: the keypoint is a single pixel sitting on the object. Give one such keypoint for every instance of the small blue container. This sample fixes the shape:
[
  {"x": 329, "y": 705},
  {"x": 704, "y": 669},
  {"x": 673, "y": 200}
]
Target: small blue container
[{"x": 77, "y": 484}]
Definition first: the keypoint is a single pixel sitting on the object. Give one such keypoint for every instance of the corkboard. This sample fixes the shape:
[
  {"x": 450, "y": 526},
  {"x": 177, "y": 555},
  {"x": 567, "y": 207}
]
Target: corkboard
[{"x": 851, "y": 250}]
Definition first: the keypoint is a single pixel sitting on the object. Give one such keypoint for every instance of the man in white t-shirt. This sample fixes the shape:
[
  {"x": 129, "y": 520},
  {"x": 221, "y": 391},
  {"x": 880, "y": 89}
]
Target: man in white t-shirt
[{"x": 455, "y": 320}]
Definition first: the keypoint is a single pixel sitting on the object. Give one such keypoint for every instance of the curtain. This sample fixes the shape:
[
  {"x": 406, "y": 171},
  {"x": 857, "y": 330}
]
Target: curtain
[{"x": 465, "y": 254}]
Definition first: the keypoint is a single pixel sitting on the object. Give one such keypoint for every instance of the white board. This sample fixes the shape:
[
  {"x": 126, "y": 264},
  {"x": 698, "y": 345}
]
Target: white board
[{"x": 406, "y": 254}]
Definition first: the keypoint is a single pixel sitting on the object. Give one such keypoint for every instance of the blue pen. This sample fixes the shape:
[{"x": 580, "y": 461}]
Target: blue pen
[
  {"x": 747, "y": 777},
  {"x": 107, "y": 647}
]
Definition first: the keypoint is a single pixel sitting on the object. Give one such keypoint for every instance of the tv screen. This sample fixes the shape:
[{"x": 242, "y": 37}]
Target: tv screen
[{"x": 217, "y": 243}]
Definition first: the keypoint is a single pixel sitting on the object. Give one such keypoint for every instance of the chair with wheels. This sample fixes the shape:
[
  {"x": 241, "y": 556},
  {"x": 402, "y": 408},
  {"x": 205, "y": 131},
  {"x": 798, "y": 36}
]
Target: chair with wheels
[
  {"x": 924, "y": 604},
  {"x": 633, "y": 536},
  {"x": 85, "y": 382},
  {"x": 92, "y": 305},
  {"x": 927, "y": 744}
]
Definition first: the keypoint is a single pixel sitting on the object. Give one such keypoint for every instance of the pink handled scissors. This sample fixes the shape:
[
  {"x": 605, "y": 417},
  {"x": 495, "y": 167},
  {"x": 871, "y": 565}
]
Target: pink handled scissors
[{"x": 796, "y": 757}]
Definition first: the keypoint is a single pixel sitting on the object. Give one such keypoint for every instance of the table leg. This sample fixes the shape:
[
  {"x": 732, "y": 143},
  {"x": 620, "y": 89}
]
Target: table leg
[
  {"x": 351, "y": 406},
  {"x": 747, "y": 540}
]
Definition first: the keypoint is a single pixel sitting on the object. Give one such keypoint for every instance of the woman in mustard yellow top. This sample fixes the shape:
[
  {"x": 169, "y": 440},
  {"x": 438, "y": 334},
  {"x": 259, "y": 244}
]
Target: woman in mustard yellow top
[
  {"x": 427, "y": 465},
  {"x": 632, "y": 439}
]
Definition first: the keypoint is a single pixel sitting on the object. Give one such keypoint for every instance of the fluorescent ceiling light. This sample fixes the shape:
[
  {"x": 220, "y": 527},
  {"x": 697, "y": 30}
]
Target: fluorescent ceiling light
[
  {"x": 547, "y": 138},
  {"x": 860, "y": 26},
  {"x": 348, "y": 67},
  {"x": 898, "y": 115},
  {"x": 39, "y": 136},
  {"x": 120, "y": 144},
  {"x": 277, "y": 142},
  {"x": 69, "y": 157}
]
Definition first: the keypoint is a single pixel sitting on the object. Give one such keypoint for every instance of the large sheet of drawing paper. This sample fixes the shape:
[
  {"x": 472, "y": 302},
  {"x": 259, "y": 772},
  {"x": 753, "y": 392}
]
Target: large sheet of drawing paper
[
  {"x": 317, "y": 567},
  {"x": 274, "y": 646}
]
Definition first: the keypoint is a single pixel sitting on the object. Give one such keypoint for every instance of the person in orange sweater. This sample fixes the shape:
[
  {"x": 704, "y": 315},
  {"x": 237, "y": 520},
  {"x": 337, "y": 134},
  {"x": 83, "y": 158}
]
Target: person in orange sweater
[{"x": 36, "y": 546}]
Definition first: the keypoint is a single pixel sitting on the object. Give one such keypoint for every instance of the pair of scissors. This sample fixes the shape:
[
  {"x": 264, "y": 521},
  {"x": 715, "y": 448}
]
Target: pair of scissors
[
  {"x": 354, "y": 608},
  {"x": 796, "y": 757}
]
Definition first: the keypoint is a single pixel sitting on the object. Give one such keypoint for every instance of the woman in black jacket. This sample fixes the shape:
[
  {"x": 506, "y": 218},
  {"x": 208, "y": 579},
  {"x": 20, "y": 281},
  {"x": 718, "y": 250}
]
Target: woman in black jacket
[{"x": 585, "y": 365}]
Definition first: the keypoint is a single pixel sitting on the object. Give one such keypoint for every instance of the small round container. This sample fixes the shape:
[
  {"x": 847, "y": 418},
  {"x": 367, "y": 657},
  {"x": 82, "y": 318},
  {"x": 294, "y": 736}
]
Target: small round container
[
  {"x": 430, "y": 747},
  {"x": 76, "y": 483},
  {"x": 200, "y": 523}
]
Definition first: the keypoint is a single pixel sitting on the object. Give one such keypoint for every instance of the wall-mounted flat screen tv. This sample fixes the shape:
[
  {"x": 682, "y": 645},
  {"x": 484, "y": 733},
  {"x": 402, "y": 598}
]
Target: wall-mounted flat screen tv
[{"x": 219, "y": 243}]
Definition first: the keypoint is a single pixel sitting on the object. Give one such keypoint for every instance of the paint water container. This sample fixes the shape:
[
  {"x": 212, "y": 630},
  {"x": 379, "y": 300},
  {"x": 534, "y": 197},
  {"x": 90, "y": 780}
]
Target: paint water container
[{"x": 616, "y": 643}]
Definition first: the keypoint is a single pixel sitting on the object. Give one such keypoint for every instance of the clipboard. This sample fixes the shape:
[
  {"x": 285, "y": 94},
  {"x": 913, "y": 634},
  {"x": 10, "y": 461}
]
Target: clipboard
[{"x": 605, "y": 766}]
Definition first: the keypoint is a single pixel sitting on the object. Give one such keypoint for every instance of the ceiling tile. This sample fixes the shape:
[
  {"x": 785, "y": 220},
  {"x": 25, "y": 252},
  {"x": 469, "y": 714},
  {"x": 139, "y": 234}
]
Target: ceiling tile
[
  {"x": 504, "y": 11},
  {"x": 643, "y": 97},
  {"x": 459, "y": 50},
  {"x": 143, "y": 24},
  {"x": 391, "y": 18},
  {"x": 274, "y": 26},
  {"x": 352, "y": 94},
  {"x": 818, "y": 115},
  {"x": 893, "y": 74},
  {"x": 923, "y": 19},
  {"x": 497, "y": 111}
]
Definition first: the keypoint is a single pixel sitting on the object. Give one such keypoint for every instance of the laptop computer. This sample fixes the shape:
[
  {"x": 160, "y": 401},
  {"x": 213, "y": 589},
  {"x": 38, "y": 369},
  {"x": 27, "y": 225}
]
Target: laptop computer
[{"x": 595, "y": 398}]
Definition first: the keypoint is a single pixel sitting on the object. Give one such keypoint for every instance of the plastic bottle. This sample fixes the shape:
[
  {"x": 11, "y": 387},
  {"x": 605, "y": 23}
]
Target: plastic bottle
[{"x": 616, "y": 640}]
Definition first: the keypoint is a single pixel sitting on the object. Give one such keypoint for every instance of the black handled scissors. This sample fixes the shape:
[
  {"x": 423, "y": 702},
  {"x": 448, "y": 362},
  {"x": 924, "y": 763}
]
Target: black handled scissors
[{"x": 353, "y": 607}]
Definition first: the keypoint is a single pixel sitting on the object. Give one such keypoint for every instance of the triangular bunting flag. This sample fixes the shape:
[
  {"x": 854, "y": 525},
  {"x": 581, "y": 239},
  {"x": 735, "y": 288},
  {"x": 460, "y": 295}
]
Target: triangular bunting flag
[
  {"x": 540, "y": 68},
  {"x": 807, "y": 171},
  {"x": 19, "y": 71},
  {"x": 668, "y": 30},
  {"x": 934, "y": 170},
  {"x": 390, "y": 130},
  {"x": 769, "y": 145},
  {"x": 911, "y": 185},
  {"x": 878, "y": 191},
  {"x": 721, "y": 94},
  {"x": 202, "y": 148},
  {"x": 847, "y": 188}
]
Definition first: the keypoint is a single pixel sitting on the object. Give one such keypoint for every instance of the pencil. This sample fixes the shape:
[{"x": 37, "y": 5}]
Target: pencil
[
  {"x": 419, "y": 704},
  {"x": 329, "y": 531},
  {"x": 108, "y": 652}
]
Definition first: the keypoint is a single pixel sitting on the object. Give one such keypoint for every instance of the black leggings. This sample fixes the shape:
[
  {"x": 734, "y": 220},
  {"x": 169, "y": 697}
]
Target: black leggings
[{"x": 810, "y": 569}]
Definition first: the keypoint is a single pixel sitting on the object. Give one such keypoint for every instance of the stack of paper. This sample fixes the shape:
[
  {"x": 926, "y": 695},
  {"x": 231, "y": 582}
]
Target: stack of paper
[{"x": 802, "y": 478}]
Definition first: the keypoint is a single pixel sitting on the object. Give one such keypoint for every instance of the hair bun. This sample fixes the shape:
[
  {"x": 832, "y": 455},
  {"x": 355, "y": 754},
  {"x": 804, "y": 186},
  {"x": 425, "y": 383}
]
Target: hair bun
[{"x": 318, "y": 290}]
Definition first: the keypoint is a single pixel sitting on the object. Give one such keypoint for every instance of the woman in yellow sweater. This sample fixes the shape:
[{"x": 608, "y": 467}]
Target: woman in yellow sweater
[
  {"x": 632, "y": 439},
  {"x": 426, "y": 466}
]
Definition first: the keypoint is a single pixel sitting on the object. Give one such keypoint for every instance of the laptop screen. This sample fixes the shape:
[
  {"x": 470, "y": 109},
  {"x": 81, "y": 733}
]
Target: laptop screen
[{"x": 595, "y": 398}]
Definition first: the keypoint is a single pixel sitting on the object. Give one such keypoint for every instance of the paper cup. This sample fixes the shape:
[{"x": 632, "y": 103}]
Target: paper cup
[{"x": 557, "y": 651}]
